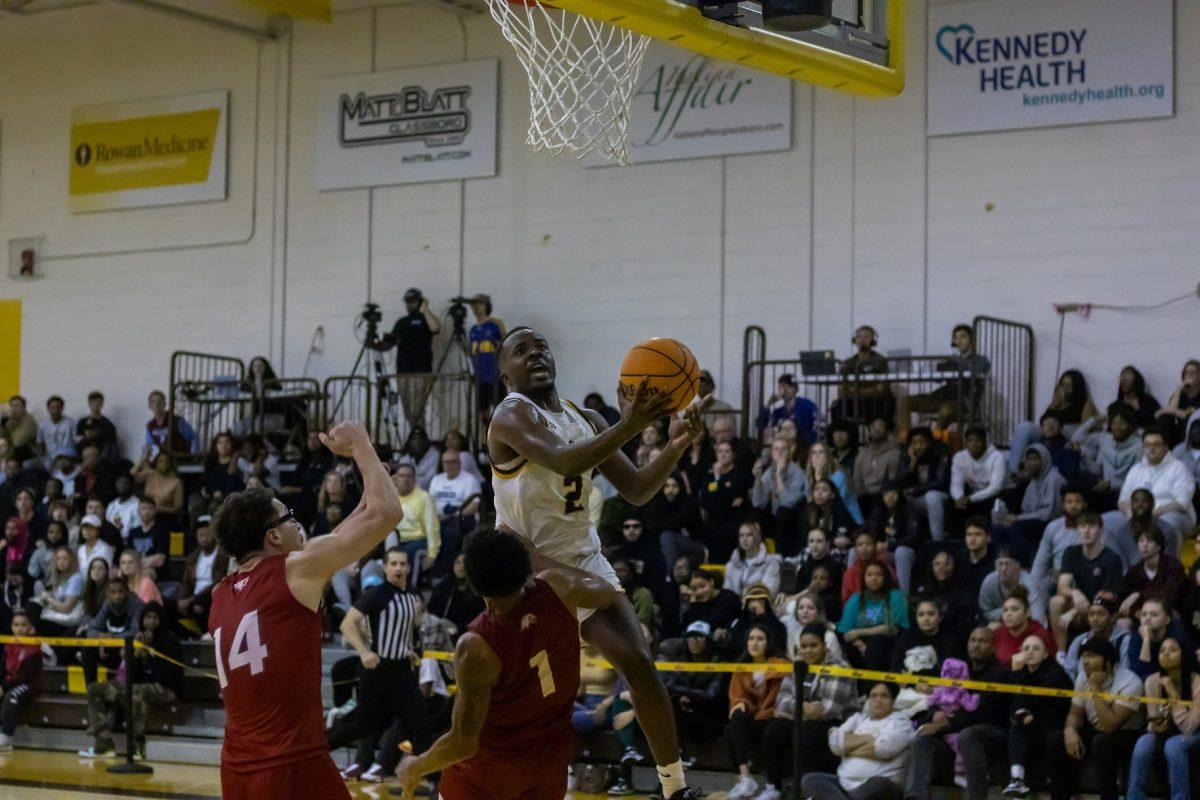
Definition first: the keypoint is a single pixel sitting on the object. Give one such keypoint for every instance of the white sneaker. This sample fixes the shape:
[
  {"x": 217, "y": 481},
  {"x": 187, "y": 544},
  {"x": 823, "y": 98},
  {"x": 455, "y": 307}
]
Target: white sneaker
[
  {"x": 769, "y": 792},
  {"x": 744, "y": 789},
  {"x": 6, "y": 745},
  {"x": 92, "y": 752},
  {"x": 374, "y": 774}
]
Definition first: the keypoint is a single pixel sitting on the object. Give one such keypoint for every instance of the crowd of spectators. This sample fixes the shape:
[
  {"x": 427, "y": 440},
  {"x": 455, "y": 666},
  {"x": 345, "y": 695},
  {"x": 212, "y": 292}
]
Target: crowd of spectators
[{"x": 935, "y": 553}]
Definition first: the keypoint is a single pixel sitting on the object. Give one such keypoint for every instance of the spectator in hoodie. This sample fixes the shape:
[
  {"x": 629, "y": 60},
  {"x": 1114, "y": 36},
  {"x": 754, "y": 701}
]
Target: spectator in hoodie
[
  {"x": 1039, "y": 503},
  {"x": 22, "y": 679},
  {"x": 980, "y": 558},
  {"x": 1001, "y": 584},
  {"x": 1033, "y": 720},
  {"x": 874, "y": 749},
  {"x": 1072, "y": 403},
  {"x": 1060, "y": 533},
  {"x": 897, "y": 524},
  {"x": 118, "y": 617},
  {"x": 756, "y": 610},
  {"x": 877, "y": 463},
  {"x": 780, "y": 486},
  {"x": 927, "y": 632},
  {"x": 1188, "y": 453},
  {"x": 1088, "y": 568},
  {"x": 977, "y": 475},
  {"x": 156, "y": 681},
  {"x": 826, "y": 512},
  {"x": 643, "y": 553},
  {"x": 1172, "y": 483},
  {"x": 1066, "y": 457},
  {"x": 723, "y": 502},
  {"x": 712, "y": 604},
  {"x": 697, "y": 697},
  {"x": 925, "y": 478},
  {"x": 1118, "y": 449},
  {"x": 673, "y": 516},
  {"x": 1156, "y": 625},
  {"x": 751, "y": 563}
]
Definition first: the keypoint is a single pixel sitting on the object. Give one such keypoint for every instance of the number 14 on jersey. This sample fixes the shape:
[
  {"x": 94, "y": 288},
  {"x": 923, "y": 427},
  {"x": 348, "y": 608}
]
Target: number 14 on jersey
[{"x": 247, "y": 649}]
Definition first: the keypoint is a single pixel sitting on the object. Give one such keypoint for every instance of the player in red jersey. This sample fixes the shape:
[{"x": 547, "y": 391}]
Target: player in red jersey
[
  {"x": 517, "y": 671},
  {"x": 267, "y": 631}
]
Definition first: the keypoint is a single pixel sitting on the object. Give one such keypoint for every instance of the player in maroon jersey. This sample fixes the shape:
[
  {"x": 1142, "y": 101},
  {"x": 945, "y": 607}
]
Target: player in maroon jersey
[
  {"x": 267, "y": 631},
  {"x": 517, "y": 671}
]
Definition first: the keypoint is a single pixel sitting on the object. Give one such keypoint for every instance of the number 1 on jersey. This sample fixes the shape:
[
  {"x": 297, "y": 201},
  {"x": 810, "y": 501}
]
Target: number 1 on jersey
[
  {"x": 247, "y": 648},
  {"x": 541, "y": 662}
]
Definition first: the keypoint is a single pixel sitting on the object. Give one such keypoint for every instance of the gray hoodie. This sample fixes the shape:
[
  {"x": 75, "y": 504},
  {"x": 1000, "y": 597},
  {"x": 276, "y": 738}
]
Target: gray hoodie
[
  {"x": 1043, "y": 498},
  {"x": 1183, "y": 451}
]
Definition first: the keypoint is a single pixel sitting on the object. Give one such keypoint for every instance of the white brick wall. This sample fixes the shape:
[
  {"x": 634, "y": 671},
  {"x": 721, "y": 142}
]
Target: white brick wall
[{"x": 809, "y": 243}]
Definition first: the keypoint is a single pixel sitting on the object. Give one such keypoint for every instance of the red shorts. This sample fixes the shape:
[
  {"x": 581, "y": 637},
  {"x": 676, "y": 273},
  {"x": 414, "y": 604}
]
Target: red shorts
[
  {"x": 314, "y": 778},
  {"x": 532, "y": 775}
]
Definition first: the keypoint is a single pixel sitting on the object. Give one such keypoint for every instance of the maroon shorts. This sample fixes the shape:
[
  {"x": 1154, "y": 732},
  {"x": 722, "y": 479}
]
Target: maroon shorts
[
  {"x": 532, "y": 775},
  {"x": 314, "y": 778}
]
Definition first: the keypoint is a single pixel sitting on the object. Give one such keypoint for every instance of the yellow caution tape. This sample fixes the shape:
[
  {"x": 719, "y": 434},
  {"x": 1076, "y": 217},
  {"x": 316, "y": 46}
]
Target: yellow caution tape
[{"x": 66, "y": 641}]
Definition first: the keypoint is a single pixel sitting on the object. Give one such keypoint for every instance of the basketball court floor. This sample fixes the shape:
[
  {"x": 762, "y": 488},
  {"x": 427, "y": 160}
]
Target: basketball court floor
[{"x": 43, "y": 775}]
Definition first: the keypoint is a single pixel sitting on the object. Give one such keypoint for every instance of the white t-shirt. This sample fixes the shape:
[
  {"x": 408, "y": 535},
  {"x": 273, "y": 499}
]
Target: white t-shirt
[
  {"x": 204, "y": 570},
  {"x": 99, "y": 550},
  {"x": 126, "y": 511},
  {"x": 452, "y": 491}
]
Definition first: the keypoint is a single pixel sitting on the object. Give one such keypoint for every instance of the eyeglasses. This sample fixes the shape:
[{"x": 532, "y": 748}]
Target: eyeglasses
[
  {"x": 290, "y": 516},
  {"x": 629, "y": 525}
]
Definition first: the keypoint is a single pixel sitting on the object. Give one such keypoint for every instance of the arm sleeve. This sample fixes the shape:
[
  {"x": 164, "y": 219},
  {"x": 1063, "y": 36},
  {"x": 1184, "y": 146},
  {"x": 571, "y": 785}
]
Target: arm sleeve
[
  {"x": 1043, "y": 561},
  {"x": 893, "y": 738},
  {"x": 996, "y": 474},
  {"x": 1037, "y": 599},
  {"x": 899, "y": 608},
  {"x": 793, "y": 491},
  {"x": 1183, "y": 487},
  {"x": 760, "y": 496},
  {"x": 1128, "y": 486},
  {"x": 849, "y": 615},
  {"x": 837, "y": 735}
]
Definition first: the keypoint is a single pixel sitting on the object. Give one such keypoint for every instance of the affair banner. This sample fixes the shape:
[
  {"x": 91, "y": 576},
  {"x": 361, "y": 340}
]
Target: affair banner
[
  {"x": 1005, "y": 64},
  {"x": 689, "y": 106},
  {"x": 414, "y": 125},
  {"x": 149, "y": 152}
]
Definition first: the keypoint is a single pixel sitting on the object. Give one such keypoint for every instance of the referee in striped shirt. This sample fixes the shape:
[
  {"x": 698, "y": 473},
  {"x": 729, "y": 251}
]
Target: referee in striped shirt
[{"x": 388, "y": 687}]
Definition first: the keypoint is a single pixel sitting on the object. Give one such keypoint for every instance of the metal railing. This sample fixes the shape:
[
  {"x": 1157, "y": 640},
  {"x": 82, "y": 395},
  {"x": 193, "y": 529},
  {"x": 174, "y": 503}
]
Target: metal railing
[
  {"x": 347, "y": 397},
  {"x": 1008, "y": 395},
  {"x": 437, "y": 403},
  {"x": 200, "y": 389}
]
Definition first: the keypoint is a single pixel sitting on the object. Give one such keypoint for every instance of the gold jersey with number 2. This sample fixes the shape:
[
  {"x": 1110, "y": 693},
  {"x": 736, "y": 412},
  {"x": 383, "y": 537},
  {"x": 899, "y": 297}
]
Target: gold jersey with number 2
[{"x": 549, "y": 509}]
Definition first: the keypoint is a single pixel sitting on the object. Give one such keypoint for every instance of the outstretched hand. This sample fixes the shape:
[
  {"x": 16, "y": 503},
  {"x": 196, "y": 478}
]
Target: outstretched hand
[
  {"x": 343, "y": 437},
  {"x": 408, "y": 777},
  {"x": 647, "y": 406},
  {"x": 685, "y": 430}
]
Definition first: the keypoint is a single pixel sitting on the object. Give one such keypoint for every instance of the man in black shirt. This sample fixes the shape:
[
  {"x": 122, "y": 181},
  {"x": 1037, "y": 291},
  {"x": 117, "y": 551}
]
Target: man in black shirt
[
  {"x": 97, "y": 429},
  {"x": 980, "y": 558},
  {"x": 151, "y": 536},
  {"x": 718, "y": 607},
  {"x": 413, "y": 334},
  {"x": 1087, "y": 568},
  {"x": 388, "y": 687}
]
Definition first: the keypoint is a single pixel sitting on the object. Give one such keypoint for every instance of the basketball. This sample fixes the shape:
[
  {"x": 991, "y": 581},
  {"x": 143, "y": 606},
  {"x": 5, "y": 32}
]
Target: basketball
[{"x": 669, "y": 366}]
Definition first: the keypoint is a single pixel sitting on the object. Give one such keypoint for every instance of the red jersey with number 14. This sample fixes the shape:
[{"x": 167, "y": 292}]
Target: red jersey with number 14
[
  {"x": 268, "y": 649},
  {"x": 538, "y": 647}
]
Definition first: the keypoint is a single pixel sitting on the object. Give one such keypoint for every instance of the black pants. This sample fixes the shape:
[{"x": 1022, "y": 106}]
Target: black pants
[
  {"x": 786, "y": 529},
  {"x": 1108, "y": 752},
  {"x": 775, "y": 735},
  {"x": 814, "y": 736},
  {"x": 343, "y": 674},
  {"x": 16, "y": 700},
  {"x": 385, "y": 693},
  {"x": 91, "y": 659},
  {"x": 825, "y": 786},
  {"x": 697, "y": 724}
]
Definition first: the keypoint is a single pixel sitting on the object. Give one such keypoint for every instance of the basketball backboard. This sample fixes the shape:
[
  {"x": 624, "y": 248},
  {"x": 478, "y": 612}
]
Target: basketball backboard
[{"x": 860, "y": 52}]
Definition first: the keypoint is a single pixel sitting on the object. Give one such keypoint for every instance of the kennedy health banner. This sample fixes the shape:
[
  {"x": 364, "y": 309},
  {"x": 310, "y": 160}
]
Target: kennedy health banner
[
  {"x": 1004, "y": 64},
  {"x": 407, "y": 126},
  {"x": 149, "y": 152},
  {"x": 688, "y": 106}
]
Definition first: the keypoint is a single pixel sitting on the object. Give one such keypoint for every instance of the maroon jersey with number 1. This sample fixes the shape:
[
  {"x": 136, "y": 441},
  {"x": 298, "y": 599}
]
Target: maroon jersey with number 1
[
  {"x": 268, "y": 652},
  {"x": 527, "y": 741}
]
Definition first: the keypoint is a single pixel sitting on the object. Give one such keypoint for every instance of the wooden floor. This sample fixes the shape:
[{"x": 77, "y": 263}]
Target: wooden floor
[{"x": 43, "y": 775}]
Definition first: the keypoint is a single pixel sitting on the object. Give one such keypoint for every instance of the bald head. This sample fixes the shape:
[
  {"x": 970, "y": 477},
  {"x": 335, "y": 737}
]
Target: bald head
[{"x": 526, "y": 363}]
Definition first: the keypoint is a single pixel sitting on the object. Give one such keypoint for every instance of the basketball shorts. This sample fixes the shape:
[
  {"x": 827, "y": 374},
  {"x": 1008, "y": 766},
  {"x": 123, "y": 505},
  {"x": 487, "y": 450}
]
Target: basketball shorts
[
  {"x": 534, "y": 775},
  {"x": 314, "y": 778},
  {"x": 598, "y": 565}
]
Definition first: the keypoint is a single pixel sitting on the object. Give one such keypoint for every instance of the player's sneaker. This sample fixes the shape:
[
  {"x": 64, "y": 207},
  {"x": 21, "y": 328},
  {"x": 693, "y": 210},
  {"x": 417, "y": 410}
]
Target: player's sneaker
[
  {"x": 98, "y": 752},
  {"x": 5, "y": 744},
  {"x": 744, "y": 789},
  {"x": 375, "y": 774},
  {"x": 352, "y": 772},
  {"x": 1017, "y": 788},
  {"x": 769, "y": 792},
  {"x": 631, "y": 756},
  {"x": 620, "y": 788},
  {"x": 687, "y": 794}
]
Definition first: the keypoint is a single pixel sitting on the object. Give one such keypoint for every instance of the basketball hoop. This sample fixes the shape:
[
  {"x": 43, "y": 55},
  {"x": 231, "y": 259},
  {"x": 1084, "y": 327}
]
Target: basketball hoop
[{"x": 581, "y": 76}]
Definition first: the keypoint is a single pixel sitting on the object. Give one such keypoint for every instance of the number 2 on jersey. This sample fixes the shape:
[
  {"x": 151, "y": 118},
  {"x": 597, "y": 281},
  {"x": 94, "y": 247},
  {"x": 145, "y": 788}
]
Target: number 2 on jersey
[
  {"x": 575, "y": 483},
  {"x": 541, "y": 662},
  {"x": 247, "y": 648}
]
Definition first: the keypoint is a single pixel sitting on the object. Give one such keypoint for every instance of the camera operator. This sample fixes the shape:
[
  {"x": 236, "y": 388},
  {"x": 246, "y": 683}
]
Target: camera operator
[
  {"x": 413, "y": 334},
  {"x": 485, "y": 337}
]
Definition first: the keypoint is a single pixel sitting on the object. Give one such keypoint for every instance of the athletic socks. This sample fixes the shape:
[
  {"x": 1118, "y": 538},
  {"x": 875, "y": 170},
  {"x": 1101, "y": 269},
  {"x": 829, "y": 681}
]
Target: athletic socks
[{"x": 671, "y": 778}]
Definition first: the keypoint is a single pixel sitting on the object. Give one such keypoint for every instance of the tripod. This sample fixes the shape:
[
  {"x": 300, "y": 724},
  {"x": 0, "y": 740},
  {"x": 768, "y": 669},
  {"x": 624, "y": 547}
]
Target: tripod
[
  {"x": 456, "y": 344},
  {"x": 376, "y": 373}
]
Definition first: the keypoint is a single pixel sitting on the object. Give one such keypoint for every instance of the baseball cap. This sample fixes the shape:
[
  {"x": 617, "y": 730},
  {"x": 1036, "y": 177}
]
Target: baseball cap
[
  {"x": 787, "y": 379},
  {"x": 1106, "y": 599},
  {"x": 699, "y": 628},
  {"x": 371, "y": 580},
  {"x": 1102, "y": 647},
  {"x": 757, "y": 591},
  {"x": 90, "y": 519},
  {"x": 412, "y": 294},
  {"x": 481, "y": 298},
  {"x": 203, "y": 519}
]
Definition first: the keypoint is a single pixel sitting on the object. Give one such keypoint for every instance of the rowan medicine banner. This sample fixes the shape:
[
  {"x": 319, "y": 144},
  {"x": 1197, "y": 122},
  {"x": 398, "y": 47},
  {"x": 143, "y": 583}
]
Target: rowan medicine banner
[
  {"x": 688, "y": 106},
  {"x": 1005, "y": 64},
  {"x": 407, "y": 126},
  {"x": 149, "y": 152}
]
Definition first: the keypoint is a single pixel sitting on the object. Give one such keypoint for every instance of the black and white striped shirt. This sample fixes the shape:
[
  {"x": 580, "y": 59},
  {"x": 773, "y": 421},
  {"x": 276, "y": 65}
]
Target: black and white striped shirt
[{"x": 395, "y": 617}]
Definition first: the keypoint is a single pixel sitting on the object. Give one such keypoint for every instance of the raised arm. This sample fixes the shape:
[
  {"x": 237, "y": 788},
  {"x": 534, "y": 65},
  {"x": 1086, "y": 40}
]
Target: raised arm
[
  {"x": 639, "y": 485},
  {"x": 517, "y": 426},
  {"x": 476, "y": 669},
  {"x": 378, "y": 512}
]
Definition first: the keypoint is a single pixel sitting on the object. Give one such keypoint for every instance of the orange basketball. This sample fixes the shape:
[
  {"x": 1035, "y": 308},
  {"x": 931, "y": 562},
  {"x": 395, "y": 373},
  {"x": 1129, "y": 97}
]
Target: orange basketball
[{"x": 669, "y": 366}]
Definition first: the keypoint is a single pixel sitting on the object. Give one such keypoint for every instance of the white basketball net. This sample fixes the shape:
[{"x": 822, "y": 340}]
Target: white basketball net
[{"x": 581, "y": 77}]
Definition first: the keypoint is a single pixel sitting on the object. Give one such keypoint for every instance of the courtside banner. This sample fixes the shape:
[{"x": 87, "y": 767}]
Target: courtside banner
[
  {"x": 149, "y": 152},
  {"x": 1006, "y": 64},
  {"x": 687, "y": 106},
  {"x": 434, "y": 123}
]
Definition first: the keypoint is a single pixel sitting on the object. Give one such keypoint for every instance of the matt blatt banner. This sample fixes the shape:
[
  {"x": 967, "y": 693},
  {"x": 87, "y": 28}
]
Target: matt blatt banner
[
  {"x": 408, "y": 126},
  {"x": 689, "y": 106},
  {"x": 149, "y": 152},
  {"x": 1004, "y": 64}
]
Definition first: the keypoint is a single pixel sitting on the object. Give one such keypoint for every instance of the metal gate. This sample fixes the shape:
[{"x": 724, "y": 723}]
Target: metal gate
[{"x": 1008, "y": 396}]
